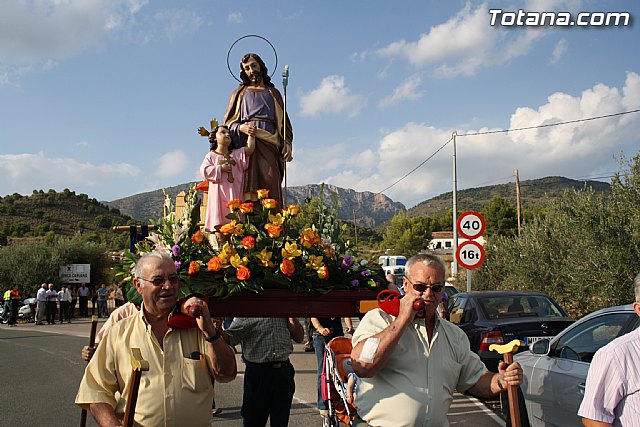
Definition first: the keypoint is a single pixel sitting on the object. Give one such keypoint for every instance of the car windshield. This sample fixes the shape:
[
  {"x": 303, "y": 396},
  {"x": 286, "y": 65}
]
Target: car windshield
[{"x": 503, "y": 306}]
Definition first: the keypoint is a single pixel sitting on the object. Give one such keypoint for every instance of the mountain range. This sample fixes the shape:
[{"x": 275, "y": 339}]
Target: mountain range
[{"x": 373, "y": 210}]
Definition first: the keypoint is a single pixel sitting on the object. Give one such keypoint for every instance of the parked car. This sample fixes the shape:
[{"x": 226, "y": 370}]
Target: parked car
[
  {"x": 498, "y": 317},
  {"x": 555, "y": 370},
  {"x": 450, "y": 289}
]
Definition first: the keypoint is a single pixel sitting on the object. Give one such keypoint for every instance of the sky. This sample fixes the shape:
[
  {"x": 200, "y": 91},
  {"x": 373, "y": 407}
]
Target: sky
[{"x": 104, "y": 97}]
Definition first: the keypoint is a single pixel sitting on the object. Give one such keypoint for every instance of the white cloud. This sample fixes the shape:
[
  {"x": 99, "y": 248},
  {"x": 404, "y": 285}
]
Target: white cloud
[
  {"x": 575, "y": 150},
  {"x": 235, "y": 18},
  {"x": 408, "y": 90},
  {"x": 175, "y": 22},
  {"x": 23, "y": 173},
  {"x": 37, "y": 31},
  {"x": 559, "y": 51},
  {"x": 331, "y": 97},
  {"x": 172, "y": 163},
  {"x": 467, "y": 43}
]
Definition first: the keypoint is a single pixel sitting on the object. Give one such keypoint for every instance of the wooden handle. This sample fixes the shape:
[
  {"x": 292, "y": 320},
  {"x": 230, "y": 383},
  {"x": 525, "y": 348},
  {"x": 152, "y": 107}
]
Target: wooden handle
[
  {"x": 138, "y": 364},
  {"x": 512, "y": 393},
  {"x": 92, "y": 339}
]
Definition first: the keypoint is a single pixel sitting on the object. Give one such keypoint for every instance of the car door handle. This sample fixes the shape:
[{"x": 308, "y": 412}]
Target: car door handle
[{"x": 581, "y": 387}]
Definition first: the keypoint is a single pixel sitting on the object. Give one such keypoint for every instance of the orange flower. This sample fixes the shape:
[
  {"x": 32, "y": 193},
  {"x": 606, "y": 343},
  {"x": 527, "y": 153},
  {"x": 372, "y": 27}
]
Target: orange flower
[
  {"x": 214, "y": 264},
  {"x": 246, "y": 208},
  {"x": 287, "y": 267},
  {"x": 292, "y": 210},
  {"x": 197, "y": 237},
  {"x": 329, "y": 250},
  {"x": 262, "y": 193},
  {"x": 273, "y": 230},
  {"x": 269, "y": 203},
  {"x": 194, "y": 268},
  {"x": 233, "y": 204},
  {"x": 308, "y": 237},
  {"x": 248, "y": 242},
  {"x": 323, "y": 273},
  {"x": 243, "y": 273},
  {"x": 232, "y": 228}
]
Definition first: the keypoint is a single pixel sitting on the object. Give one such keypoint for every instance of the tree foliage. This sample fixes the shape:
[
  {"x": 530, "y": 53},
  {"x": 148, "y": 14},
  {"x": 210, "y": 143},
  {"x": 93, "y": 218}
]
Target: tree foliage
[
  {"x": 407, "y": 235},
  {"x": 29, "y": 265},
  {"x": 584, "y": 251},
  {"x": 501, "y": 217}
]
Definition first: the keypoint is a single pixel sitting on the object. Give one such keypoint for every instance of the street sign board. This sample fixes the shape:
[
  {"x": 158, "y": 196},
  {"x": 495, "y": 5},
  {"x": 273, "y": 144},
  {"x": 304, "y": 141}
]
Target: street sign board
[
  {"x": 471, "y": 225},
  {"x": 470, "y": 254},
  {"x": 75, "y": 273}
]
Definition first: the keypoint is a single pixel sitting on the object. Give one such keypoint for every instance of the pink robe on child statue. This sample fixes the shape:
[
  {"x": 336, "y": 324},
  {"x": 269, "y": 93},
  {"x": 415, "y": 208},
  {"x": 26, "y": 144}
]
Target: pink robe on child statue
[{"x": 221, "y": 191}]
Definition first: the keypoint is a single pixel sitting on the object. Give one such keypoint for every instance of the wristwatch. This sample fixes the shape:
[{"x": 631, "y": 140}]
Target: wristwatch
[{"x": 214, "y": 337}]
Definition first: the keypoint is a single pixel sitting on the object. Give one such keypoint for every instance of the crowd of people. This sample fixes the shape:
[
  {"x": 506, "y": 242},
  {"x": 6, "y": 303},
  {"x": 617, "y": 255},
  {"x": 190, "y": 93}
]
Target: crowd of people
[{"x": 64, "y": 303}]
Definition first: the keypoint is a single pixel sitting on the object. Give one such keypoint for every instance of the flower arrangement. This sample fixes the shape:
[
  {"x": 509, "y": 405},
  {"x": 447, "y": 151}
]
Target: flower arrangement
[{"x": 262, "y": 250}]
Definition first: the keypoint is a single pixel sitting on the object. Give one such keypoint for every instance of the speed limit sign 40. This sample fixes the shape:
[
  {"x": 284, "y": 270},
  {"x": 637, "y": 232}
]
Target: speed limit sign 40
[
  {"x": 471, "y": 225},
  {"x": 470, "y": 254}
]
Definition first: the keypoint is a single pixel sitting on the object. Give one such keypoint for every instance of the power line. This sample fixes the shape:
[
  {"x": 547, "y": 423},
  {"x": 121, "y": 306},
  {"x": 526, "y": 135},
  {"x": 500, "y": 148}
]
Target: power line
[
  {"x": 550, "y": 124},
  {"x": 493, "y": 132}
]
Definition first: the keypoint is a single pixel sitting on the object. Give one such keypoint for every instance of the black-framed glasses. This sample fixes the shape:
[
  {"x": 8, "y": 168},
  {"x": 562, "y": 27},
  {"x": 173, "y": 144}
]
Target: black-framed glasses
[
  {"x": 422, "y": 287},
  {"x": 159, "y": 281}
]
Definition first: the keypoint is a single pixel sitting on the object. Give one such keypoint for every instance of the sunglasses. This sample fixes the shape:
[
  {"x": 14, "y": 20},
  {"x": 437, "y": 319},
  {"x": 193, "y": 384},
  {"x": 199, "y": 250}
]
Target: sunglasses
[
  {"x": 422, "y": 287},
  {"x": 159, "y": 281}
]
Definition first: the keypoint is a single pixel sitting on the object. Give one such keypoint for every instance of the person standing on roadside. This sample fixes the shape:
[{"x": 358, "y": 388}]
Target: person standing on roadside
[
  {"x": 52, "y": 300},
  {"x": 41, "y": 298},
  {"x": 83, "y": 296},
  {"x": 64, "y": 296},
  {"x": 14, "y": 299},
  {"x": 103, "y": 293}
]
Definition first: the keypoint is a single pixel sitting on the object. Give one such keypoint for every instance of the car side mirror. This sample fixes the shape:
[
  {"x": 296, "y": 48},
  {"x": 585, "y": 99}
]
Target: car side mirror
[{"x": 540, "y": 347}]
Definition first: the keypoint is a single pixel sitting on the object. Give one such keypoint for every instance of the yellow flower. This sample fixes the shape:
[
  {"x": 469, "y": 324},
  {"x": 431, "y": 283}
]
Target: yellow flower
[
  {"x": 265, "y": 258},
  {"x": 329, "y": 250},
  {"x": 315, "y": 262},
  {"x": 262, "y": 193},
  {"x": 238, "y": 262},
  {"x": 292, "y": 210},
  {"x": 276, "y": 219},
  {"x": 269, "y": 203},
  {"x": 290, "y": 250}
]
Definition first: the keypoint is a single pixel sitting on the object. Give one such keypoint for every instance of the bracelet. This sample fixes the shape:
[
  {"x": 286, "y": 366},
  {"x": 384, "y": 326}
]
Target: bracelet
[{"x": 213, "y": 338}]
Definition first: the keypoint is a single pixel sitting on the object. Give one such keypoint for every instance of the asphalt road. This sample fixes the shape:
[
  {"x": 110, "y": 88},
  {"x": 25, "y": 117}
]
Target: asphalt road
[{"x": 40, "y": 368}]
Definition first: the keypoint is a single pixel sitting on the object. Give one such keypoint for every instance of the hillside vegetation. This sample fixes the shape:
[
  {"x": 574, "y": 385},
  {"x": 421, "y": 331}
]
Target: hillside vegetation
[{"x": 44, "y": 216}]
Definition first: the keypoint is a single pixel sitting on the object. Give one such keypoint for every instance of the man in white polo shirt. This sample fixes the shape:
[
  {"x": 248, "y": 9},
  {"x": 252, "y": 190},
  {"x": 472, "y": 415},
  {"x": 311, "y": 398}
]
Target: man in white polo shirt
[{"x": 612, "y": 391}]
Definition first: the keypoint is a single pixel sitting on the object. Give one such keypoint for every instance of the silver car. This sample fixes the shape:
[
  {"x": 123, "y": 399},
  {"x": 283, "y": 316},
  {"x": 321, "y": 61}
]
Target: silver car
[{"x": 555, "y": 370}]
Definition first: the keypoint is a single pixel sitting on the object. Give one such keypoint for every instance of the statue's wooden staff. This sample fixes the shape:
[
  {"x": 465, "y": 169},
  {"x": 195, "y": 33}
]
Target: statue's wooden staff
[
  {"x": 285, "y": 82},
  {"x": 92, "y": 339},
  {"x": 507, "y": 351}
]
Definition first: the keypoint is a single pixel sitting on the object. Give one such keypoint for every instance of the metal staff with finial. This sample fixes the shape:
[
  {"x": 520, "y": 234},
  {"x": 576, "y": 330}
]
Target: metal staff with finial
[{"x": 285, "y": 82}]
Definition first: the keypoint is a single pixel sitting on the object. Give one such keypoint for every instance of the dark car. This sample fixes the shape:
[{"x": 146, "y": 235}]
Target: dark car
[
  {"x": 555, "y": 371},
  {"x": 498, "y": 317}
]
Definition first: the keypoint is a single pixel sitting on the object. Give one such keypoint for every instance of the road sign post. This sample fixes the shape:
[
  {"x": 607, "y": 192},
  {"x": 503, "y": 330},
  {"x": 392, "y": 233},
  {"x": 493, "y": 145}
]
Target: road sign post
[{"x": 470, "y": 254}]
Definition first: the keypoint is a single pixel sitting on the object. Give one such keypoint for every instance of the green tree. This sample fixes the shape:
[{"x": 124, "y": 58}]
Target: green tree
[
  {"x": 407, "y": 236},
  {"x": 584, "y": 251},
  {"x": 501, "y": 217}
]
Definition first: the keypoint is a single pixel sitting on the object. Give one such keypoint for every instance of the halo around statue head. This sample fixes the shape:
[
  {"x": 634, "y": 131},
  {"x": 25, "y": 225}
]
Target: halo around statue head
[{"x": 248, "y": 36}]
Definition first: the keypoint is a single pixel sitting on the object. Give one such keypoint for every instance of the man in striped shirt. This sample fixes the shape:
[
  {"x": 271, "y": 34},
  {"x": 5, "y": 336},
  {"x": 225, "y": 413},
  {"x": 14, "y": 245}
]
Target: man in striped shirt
[{"x": 612, "y": 392}]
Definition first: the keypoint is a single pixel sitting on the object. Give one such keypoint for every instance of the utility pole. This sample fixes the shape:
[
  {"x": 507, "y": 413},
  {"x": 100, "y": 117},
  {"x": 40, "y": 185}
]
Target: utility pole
[
  {"x": 355, "y": 228},
  {"x": 454, "y": 263},
  {"x": 518, "y": 204}
]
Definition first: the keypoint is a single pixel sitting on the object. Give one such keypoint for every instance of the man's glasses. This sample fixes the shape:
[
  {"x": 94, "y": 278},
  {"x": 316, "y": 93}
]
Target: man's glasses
[
  {"x": 422, "y": 287},
  {"x": 159, "y": 281}
]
